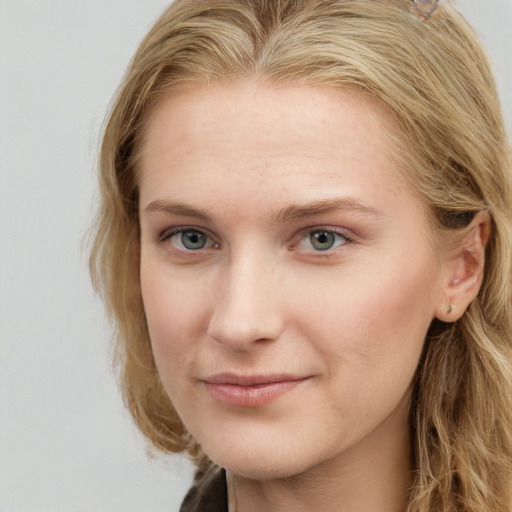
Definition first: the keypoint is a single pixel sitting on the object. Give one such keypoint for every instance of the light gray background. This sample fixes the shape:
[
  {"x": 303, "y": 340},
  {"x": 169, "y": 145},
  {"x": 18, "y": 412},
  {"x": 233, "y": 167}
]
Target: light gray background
[{"x": 66, "y": 445}]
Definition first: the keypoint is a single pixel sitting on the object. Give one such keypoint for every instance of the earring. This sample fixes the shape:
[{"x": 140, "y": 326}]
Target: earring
[
  {"x": 427, "y": 8},
  {"x": 449, "y": 309}
]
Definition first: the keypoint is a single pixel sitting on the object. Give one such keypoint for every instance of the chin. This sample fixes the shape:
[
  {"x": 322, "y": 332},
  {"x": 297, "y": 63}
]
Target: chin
[
  {"x": 261, "y": 464},
  {"x": 260, "y": 472}
]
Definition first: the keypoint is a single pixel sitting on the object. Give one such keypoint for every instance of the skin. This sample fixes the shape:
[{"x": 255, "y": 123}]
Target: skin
[{"x": 255, "y": 171}]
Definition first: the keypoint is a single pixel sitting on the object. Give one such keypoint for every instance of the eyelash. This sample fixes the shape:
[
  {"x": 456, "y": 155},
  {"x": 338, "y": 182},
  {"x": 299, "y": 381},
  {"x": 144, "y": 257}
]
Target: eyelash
[
  {"x": 168, "y": 234},
  {"x": 310, "y": 231}
]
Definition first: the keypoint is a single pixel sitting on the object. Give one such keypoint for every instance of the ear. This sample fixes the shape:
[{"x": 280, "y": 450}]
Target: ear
[{"x": 463, "y": 260}]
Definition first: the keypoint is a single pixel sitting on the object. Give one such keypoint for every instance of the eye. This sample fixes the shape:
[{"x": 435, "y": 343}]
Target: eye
[
  {"x": 188, "y": 239},
  {"x": 192, "y": 240},
  {"x": 323, "y": 240}
]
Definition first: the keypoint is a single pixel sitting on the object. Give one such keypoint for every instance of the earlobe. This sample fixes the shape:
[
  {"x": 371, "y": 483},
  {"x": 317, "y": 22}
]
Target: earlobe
[{"x": 464, "y": 262}]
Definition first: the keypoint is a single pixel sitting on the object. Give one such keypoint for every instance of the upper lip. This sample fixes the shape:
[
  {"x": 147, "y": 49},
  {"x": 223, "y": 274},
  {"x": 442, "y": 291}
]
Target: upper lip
[{"x": 235, "y": 379}]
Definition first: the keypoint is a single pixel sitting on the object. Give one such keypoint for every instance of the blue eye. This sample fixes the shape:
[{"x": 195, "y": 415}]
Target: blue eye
[
  {"x": 323, "y": 240},
  {"x": 193, "y": 240},
  {"x": 188, "y": 239}
]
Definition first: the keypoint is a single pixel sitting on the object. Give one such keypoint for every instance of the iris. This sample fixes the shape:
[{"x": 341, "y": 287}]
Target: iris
[
  {"x": 322, "y": 240},
  {"x": 193, "y": 240}
]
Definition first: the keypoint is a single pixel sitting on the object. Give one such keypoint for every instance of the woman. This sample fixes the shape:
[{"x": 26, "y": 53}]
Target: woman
[{"x": 304, "y": 241}]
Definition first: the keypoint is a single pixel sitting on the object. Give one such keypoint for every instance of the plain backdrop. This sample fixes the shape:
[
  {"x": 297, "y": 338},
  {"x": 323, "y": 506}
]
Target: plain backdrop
[{"x": 66, "y": 444}]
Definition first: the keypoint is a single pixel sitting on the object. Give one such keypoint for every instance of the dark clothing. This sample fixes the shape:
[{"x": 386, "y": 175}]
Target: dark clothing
[{"x": 209, "y": 494}]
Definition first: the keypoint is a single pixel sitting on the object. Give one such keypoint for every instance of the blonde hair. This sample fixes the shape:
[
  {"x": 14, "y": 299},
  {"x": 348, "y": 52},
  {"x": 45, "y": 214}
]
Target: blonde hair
[{"x": 434, "y": 78}]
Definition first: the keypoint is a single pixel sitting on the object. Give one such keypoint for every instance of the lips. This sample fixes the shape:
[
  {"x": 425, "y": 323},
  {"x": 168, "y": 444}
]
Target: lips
[{"x": 251, "y": 390}]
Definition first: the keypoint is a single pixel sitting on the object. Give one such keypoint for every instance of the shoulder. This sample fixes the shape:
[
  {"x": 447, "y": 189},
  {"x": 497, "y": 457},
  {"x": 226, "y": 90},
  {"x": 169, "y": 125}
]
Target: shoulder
[{"x": 208, "y": 494}]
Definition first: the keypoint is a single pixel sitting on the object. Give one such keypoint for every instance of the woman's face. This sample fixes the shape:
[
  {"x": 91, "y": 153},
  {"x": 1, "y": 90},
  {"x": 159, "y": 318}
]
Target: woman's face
[{"x": 287, "y": 273}]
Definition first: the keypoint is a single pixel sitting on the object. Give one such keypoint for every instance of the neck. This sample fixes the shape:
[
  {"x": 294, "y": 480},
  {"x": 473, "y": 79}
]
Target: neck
[{"x": 373, "y": 475}]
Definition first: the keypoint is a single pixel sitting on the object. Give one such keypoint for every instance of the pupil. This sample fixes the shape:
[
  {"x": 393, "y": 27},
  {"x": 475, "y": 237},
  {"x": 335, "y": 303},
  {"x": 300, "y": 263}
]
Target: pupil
[
  {"x": 322, "y": 240},
  {"x": 193, "y": 240}
]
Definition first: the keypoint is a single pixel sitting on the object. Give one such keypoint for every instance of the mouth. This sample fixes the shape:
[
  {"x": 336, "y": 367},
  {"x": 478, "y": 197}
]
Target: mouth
[{"x": 251, "y": 390}]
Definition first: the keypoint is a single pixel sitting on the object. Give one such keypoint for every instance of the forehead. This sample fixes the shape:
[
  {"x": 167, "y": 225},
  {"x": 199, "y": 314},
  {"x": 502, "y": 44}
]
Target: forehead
[
  {"x": 239, "y": 137},
  {"x": 259, "y": 108}
]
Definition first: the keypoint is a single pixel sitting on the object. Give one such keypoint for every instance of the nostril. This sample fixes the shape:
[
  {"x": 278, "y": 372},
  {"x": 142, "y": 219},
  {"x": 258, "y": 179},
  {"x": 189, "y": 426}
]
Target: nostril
[
  {"x": 241, "y": 328},
  {"x": 242, "y": 336},
  {"x": 246, "y": 310}
]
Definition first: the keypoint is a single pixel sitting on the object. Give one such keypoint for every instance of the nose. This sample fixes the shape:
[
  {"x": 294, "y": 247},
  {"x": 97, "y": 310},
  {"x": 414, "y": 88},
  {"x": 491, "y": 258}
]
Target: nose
[{"x": 247, "y": 310}]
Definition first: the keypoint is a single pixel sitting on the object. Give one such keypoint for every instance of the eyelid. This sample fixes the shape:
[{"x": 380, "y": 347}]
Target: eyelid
[
  {"x": 165, "y": 235},
  {"x": 345, "y": 233}
]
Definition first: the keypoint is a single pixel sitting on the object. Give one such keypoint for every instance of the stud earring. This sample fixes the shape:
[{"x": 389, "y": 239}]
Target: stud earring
[
  {"x": 427, "y": 8},
  {"x": 449, "y": 309}
]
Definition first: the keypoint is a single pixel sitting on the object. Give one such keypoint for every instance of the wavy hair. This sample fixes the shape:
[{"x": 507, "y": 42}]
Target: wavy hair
[{"x": 434, "y": 78}]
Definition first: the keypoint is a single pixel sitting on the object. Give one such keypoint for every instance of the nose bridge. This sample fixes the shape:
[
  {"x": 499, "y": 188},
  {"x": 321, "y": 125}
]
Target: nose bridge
[{"x": 246, "y": 309}]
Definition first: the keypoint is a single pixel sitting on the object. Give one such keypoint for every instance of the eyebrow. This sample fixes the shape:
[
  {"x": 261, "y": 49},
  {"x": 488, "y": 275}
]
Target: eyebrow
[
  {"x": 176, "y": 208},
  {"x": 318, "y": 207},
  {"x": 287, "y": 214}
]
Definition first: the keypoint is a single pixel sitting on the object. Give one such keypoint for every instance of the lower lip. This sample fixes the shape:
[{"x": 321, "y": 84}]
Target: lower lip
[{"x": 250, "y": 396}]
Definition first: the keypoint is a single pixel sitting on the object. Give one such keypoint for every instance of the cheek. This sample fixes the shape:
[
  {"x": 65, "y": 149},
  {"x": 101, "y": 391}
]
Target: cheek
[
  {"x": 373, "y": 312},
  {"x": 174, "y": 313}
]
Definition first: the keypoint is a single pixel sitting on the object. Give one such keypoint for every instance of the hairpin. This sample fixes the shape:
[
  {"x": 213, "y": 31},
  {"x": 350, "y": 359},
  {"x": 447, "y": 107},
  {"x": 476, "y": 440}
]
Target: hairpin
[{"x": 427, "y": 8}]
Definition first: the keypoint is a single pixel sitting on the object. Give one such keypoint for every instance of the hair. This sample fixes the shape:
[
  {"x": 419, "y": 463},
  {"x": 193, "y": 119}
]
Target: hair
[{"x": 434, "y": 78}]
